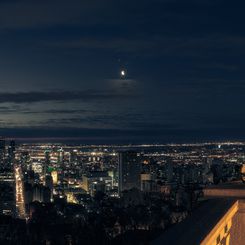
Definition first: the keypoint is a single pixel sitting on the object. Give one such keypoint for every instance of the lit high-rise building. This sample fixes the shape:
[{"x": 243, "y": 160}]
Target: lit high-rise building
[
  {"x": 54, "y": 175},
  {"x": 60, "y": 157},
  {"x": 73, "y": 158},
  {"x": 2, "y": 152},
  {"x": 25, "y": 160},
  {"x": 97, "y": 181},
  {"x": 169, "y": 171},
  {"x": 60, "y": 161},
  {"x": 41, "y": 193},
  {"x": 11, "y": 153},
  {"x": 46, "y": 163},
  {"x": 129, "y": 169},
  {"x": 49, "y": 184},
  {"x": 7, "y": 193}
]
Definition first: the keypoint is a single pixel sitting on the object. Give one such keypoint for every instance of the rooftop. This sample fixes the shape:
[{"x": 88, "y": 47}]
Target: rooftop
[{"x": 198, "y": 225}]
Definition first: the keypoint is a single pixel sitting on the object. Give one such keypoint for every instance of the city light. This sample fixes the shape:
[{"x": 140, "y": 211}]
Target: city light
[{"x": 20, "y": 201}]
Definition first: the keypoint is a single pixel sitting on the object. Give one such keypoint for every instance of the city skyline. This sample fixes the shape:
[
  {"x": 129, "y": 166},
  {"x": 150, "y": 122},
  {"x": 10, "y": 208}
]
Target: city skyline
[
  {"x": 61, "y": 70},
  {"x": 122, "y": 122}
]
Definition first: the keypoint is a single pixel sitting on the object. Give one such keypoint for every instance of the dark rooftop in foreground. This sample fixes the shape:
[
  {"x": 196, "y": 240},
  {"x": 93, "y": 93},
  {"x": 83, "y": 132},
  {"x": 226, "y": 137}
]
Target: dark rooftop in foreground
[{"x": 198, "y": 225}]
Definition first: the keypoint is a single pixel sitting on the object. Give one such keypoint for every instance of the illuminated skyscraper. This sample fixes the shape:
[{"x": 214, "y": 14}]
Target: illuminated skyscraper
[
  {"x": 25, "y": 160},
  {"x": 49, "y": 184},
  {"x": 169, "y": 171},
  {"x": 41, "y": 193},
  {"x": 129, "y": 169},
  {"x": 60, "y": 161},
  {"x": 46, "y": 163},
  {"x": 60, "y": 158},
  {"x": 11, "y": 153},
  {"x": 54, "y": 175},
  {"x": 7, "y": 193},
  {"x": 73, "y": 160},
  {"x": 2, "y": 152}
]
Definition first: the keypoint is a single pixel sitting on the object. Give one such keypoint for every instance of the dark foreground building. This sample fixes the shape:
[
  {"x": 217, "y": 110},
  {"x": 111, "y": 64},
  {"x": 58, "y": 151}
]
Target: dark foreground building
[
  {"x": 129, "y": 169},
  {"x": 219, "y": 220}
]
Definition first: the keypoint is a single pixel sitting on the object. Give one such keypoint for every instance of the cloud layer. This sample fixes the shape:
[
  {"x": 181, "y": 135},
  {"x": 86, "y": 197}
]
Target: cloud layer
[{"x": 60, "y": 69}]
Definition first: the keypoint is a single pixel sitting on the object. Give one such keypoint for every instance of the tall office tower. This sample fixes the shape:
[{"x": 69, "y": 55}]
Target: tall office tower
[
  {"x": 29, "y": 177},
  {"x": 60, "y": 162},
  {"x": 2, "y": 152},
  {"x": 46, "y": 163},
  {"x": 11, "y": 153},
  {"x": 7, "y": 193},
  {"x": 129, "y": 170},
  {"x": 169, "y": 171},
  {"x": 73, "y": 160},
  {"x": 41, "y": 193},
  {"x": 49, "y": 184},
  {"x": 60, "y": 158},
  {"x": 54, "y": 175},
  {"x": 25, "y": 160}
]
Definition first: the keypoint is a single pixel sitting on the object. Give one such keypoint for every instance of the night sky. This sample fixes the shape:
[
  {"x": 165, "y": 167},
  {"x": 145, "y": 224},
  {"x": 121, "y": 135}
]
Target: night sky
[{"x": 60, "y": 64}]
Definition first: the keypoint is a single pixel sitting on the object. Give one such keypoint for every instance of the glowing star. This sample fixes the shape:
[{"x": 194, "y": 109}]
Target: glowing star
[{"x": 123, "y": 73}]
